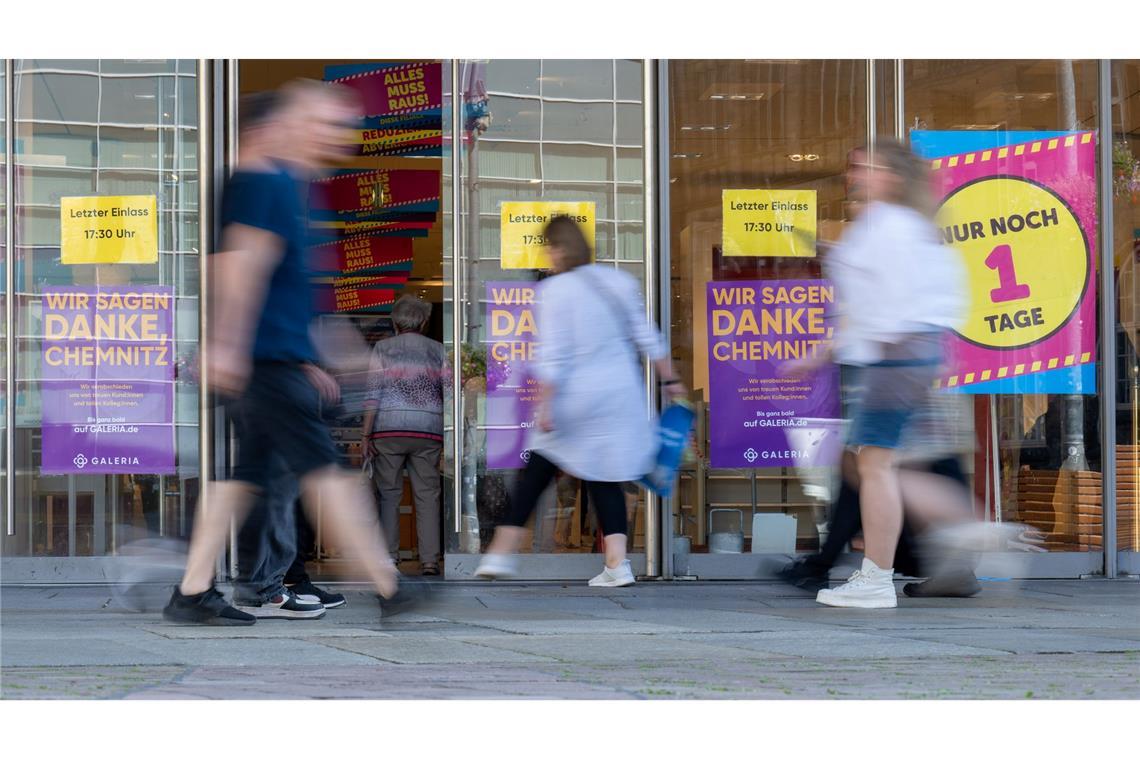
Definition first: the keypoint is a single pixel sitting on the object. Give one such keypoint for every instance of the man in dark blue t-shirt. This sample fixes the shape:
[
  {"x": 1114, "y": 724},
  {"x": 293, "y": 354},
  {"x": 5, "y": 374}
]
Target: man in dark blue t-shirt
[{"x": 260, "y": 356}]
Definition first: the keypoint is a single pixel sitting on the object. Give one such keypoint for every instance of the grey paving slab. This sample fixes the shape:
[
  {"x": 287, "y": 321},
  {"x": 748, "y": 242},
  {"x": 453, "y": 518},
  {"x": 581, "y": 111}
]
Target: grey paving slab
[
  {"x": 900, "y": 618},
  {"x": 79, "y": 651},
  {"x": 838, "y": 644},
  {"x": 234, "y": 653},
  {"x": 263, "y": 629},
  {"x": 1021, "y": 641},
  {"x": 86, "y": 682},
  {"x": 422, "y": 650},
  {"x": 617, "y": 648},
  {"x": 703, "y": 620},
  {"x": 654, "y": 641},
  {"x": 580, "y": 626}
]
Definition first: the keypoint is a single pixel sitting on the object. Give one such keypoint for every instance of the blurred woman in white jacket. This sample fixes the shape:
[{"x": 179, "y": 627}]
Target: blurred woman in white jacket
[
  {"x": 898, "y": 290},
  {"x": 593, "y": 421}
]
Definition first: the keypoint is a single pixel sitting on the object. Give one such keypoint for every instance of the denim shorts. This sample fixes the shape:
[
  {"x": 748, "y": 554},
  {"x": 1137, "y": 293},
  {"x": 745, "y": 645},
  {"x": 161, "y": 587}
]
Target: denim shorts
[{"x": 891, "y": 392}]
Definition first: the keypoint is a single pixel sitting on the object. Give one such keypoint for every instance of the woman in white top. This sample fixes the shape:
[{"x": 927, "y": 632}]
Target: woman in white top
[
  {"x": 593, "y": 421},
  {"x": 898, "y": 290}
]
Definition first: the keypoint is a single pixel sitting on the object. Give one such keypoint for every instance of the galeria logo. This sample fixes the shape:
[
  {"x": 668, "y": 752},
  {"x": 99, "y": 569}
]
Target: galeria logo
[
  {"x": 525, "y": 456},
  {"x": 80, "y": 461},
  {"x": 751, "y": 455}
]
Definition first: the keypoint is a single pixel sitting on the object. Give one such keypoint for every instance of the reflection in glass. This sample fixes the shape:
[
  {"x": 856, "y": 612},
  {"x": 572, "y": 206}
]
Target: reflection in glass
[{"x": 98, "y": 128}]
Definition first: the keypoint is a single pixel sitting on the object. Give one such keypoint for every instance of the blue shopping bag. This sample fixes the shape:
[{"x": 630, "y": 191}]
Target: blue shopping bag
[{"x": 673, "y": 432}]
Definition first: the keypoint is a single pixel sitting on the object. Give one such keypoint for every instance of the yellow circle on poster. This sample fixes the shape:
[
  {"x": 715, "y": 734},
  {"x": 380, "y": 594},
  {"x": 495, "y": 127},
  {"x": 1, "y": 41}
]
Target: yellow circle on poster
[{"x": 1026, "y": 255}]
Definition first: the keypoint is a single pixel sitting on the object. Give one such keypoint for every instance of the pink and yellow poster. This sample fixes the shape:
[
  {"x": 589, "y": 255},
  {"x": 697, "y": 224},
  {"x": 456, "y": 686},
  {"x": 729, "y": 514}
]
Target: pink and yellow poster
[{"x": 1023, "y": 215}]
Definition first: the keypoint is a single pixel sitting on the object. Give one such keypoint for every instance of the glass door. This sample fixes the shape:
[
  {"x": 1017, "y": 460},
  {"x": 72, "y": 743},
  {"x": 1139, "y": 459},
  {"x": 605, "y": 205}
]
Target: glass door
[
  {"x": 758, "y": 155},
  {"x": 1125, "y": 208},
  {"x": 537, "y": 138},
  {"x": 992, "y": 129}
]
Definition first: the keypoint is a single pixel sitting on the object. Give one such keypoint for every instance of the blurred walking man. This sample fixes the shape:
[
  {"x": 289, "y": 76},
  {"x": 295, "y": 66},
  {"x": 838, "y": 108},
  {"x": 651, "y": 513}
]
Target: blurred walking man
[{"x": 260, "y": 356}]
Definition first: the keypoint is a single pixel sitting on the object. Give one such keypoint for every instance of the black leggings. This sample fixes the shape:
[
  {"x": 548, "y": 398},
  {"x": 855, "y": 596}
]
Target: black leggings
[{"x": 608, "y": 499}]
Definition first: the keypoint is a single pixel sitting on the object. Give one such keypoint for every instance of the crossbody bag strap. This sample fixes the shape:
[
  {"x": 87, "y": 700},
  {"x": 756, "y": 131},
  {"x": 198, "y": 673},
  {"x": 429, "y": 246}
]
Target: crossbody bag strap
[{"x": 615, "y": 305}]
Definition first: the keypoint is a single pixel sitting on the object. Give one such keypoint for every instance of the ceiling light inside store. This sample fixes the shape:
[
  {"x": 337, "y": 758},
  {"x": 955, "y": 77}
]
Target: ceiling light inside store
[
  {"x": 795, "y": 157},
  {"x": 740, "y": 91},
  {"x": 811, "y": 157},
  {"x": 535, "y": 181}
]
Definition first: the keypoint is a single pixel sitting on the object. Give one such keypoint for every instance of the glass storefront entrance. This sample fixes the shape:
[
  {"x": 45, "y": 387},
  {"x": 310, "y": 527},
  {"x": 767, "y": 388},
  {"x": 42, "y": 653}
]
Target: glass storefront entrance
[{"x": 622, "y": 145}]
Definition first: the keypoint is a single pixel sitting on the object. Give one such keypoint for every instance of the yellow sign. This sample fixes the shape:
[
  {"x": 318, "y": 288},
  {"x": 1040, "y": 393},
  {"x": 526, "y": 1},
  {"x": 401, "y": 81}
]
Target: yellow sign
[
  {"x": 768, "y": 222},
  {"x": 1028, "y": 270},
  {"x": 522, "y": 225},
  {"x": 109, "y": 229}
]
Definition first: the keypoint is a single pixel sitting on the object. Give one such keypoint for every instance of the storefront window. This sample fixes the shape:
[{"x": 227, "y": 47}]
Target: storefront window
[
  {"x": 106, "y": 305},
  {"x": 563, "y": 137},
  {"x": 1125, "y": 208},
  {"x": 748, "y": 135},
  {"x": 1020, "y": 136}
]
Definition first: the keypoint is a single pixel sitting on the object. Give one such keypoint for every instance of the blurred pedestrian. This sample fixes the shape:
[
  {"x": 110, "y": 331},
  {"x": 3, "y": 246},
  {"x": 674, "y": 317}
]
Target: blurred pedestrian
[
  {"x": 403, "y": 426},
  {"x": 592, "y": 420},
  {"x": 898, "y": 289},
  {"x": 261, "y": 357},
  {"x": 812, "y": 572}
]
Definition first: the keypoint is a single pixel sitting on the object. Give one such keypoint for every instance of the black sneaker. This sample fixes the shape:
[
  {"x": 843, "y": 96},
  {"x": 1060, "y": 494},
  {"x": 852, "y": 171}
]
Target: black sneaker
[
  {"x": 955, "y": 585},
  {"x": 207, "y": 608},
  {"x": 285, "y": 606},
  {"x": 409, "y": 595},
  {"x": 307, "y": 592},
  {"x": 804, "y": 574}
]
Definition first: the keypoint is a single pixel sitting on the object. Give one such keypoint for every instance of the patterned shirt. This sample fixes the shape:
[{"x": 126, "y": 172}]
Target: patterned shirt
[{"x": 406, "y": 385}]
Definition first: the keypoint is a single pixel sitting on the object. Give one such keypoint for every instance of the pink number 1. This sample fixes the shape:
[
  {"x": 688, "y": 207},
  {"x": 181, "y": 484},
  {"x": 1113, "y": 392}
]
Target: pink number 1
[{"x": 1009, "y": 289}]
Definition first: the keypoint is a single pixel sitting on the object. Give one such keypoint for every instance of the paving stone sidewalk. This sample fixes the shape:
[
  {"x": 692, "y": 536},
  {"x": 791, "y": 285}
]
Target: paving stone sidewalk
[{"x": 1017, "y": 640}]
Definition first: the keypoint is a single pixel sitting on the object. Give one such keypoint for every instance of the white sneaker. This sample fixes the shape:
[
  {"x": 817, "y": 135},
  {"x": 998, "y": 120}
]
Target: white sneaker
[
  {"x": 494, "y": 566},
  {"x": 867, "y": 588},
  {"x": 622, "y": 575}
]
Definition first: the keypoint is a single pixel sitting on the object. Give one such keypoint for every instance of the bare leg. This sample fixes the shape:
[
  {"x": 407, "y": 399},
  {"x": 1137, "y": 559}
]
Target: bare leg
[
  {"x": 934, "y": 500},
  {"x": 880, "y": 504},
  {"x": 615, "y": 549},
  {"x": 350, "y": 517},
  {"x": 506, "y": 540},
  {"x": 228, "y": 501}
]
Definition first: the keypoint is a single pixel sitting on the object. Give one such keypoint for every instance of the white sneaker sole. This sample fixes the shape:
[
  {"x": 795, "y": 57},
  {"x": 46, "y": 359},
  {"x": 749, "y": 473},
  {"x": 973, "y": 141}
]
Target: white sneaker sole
[
  {"x": 611, "y": 584},
  {"x": 828, "y": 597},
  {"x": 491, "y": 572},
  {"x": 276, "y": 613}
]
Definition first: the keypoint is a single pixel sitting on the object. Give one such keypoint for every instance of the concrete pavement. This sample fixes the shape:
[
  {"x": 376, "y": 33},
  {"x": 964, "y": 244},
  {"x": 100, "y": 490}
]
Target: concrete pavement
[{"x": 1017, "y": 640}]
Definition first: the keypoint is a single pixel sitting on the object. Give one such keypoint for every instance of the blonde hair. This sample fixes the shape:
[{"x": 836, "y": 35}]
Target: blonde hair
[{"x": 914, "y": 189}]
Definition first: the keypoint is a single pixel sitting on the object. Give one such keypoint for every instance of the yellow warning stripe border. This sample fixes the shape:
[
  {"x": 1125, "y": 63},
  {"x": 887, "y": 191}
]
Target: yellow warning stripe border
[
  {"x": 1017, "y": 149},
  {"x": 1013, "y": 370}
]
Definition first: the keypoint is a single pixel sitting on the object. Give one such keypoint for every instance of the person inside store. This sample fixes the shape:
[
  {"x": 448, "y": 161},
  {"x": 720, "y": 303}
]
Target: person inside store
[
  {"x": 403, "y": 426},
  {"x": 592, "y": 425}
]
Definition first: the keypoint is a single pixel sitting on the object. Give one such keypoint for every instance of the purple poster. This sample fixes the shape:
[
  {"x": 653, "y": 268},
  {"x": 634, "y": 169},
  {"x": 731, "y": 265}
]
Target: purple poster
[
  {"x": 512, "y": 394},
  {"x": 108, "y": 379},
  {"x": 754, "y": 328}
]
